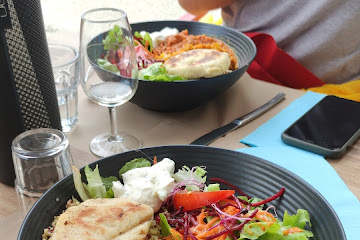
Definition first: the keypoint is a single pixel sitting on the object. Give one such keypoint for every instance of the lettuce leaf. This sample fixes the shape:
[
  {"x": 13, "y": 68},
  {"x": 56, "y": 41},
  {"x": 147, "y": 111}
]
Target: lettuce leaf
[
  {"x": 135, "y": 163},
  {"x": 144, "y": 38},
  {"x": 257, "y": 229},
  {"x": 212, "y": 187},
  {"x": 108, "y": 185},
  {"x": 104, "y": 64},
  {"x": 297, "y": 220},
  {"x": 279, "y": 230},
  {"x": 252, "y": 200},
  {"x": 164, "y": 226},
  {"x": 156, "y": 72},
  {"x": 79, "y": 184},
  {"x": 279, "y": 235},
  {"x": 185, "y": 173},
  {"x": 114, "y": 37},
  {"x": 96, "y": 187}
]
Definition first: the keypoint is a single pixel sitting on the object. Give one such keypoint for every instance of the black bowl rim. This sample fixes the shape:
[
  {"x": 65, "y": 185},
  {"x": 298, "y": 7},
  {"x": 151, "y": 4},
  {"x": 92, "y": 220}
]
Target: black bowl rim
[
  {"x": 172, "y": 22},
  {"x": 201, "y": 147}
]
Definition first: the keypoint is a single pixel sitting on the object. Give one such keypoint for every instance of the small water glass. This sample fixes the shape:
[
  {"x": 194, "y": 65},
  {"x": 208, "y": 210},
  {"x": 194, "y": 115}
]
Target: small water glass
[
  {"x": 65, "y": 65},
  {"x": 41, "y": 158}
]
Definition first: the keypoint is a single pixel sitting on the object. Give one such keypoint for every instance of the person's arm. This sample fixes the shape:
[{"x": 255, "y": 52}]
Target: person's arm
[{"x": 200, "y": 7}]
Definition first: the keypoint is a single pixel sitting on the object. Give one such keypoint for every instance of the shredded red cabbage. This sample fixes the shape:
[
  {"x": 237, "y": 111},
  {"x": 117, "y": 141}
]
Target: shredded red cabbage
[
  {"x": 183, "y": 221},
  {"x": 278, "y": 194}
]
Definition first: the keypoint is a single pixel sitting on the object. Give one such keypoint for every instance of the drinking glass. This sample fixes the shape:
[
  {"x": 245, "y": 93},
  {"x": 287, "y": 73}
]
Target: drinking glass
[
  {"x": 108, "y": 72},
  {"x": 41, "y": 158},
  {"x": 65, "y": 65}
]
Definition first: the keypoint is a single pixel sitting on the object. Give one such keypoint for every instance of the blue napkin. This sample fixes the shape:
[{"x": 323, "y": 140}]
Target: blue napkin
[{"x": 266, "y": 143}]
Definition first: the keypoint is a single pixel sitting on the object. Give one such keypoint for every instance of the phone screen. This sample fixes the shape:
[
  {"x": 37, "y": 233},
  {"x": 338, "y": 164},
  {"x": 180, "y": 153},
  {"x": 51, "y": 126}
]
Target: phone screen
[{"x": 329, "y": 124}]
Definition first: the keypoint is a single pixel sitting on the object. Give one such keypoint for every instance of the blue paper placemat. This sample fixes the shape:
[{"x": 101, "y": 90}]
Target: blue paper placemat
[{"x": 266, "y": 143}]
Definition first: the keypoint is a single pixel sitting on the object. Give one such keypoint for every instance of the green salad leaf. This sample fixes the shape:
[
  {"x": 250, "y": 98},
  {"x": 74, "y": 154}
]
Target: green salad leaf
[
  {"x": 300, "y": 219},
  {"x": 157, "y": 72},
  {"x": 79, "y": 186},
  {"x": 96, "y": 187},
  {"x": 135, "y": 163},
  {"x": 144, "y": 38},
  {"x": 164, "y": 226},
  {"x": 257, "y": 229},
  {"x": 113, "y": 38},
  {"x": 186, "y": 173},
  {"x": 108, "y": 185},
  {"x": 292, "y": 228},
  {"x": 212, "y": 187},
  {"x": 107, "y": 65}
]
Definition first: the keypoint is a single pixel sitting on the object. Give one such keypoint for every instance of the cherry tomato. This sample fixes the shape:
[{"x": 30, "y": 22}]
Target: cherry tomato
[{"x": 190, "y": 200}]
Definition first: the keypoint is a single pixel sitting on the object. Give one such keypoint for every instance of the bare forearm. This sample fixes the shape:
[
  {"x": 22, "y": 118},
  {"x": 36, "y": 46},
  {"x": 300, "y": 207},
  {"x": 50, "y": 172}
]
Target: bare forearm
[{"x": 199, "y": 7}]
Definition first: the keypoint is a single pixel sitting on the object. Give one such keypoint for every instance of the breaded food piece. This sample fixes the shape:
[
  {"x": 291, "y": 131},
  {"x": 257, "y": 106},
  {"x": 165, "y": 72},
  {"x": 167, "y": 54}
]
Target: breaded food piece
[
  {"x": 104, "y": 219},
  {"x": 199, "y": 63}
]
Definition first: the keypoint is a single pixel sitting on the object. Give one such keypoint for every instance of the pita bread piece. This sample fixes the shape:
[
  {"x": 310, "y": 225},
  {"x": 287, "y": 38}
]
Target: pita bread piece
[
  {"x": 199, "y": 63},
  {"x": 104, "y": 219}
]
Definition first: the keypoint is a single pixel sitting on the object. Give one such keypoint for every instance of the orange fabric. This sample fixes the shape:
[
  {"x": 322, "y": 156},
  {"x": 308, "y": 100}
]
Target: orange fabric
[{"x": 349, "y": 90}]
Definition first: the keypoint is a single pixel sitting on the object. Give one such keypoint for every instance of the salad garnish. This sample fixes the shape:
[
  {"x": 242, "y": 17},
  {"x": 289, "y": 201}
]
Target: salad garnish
[
  {"x": 150, "y": 67},
  {"x": 195, "y": 210}
]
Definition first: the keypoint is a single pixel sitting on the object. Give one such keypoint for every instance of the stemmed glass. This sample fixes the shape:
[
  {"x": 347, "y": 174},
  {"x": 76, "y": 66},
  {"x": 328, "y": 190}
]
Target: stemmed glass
[{"x": 108, "y": 72}]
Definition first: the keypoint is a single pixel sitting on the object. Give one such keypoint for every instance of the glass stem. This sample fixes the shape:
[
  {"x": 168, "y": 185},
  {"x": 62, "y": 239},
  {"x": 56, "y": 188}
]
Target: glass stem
[{"x": 114, "y": 134}]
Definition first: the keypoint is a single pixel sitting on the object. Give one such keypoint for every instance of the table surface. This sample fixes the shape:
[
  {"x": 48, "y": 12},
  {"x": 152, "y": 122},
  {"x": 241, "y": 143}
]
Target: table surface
[{"x": 156, "y": 128}]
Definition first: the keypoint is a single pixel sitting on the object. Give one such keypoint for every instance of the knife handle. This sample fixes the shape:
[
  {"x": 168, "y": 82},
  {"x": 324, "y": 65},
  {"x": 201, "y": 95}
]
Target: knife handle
[
  {"x": 214, "y": 134},
  {"x": 221, "y": 131},
  {"x": 259, "y": 111}
]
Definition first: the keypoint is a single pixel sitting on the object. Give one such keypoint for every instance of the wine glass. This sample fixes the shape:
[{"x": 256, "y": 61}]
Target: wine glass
[{"x": 108, "y": 72}]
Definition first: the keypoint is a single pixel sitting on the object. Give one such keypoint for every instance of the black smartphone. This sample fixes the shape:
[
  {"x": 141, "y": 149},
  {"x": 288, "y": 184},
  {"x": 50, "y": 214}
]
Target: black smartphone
[{"x": 328, "y": 128}]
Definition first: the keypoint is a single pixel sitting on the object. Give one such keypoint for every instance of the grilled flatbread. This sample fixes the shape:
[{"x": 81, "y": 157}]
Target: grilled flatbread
[
  {"x": 199, "y": 63},
  {"x": 104, "y": 219}
]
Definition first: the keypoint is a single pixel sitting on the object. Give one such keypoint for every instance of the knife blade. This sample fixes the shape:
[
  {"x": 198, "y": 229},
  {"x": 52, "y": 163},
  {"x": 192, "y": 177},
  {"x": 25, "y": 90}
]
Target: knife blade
[{"x": 239, "y": 122}]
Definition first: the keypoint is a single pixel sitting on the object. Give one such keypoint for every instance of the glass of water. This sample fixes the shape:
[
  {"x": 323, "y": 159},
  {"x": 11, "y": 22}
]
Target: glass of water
[
  {"x": 108, "y": 72},
  {"x": 65, "y": 65}
]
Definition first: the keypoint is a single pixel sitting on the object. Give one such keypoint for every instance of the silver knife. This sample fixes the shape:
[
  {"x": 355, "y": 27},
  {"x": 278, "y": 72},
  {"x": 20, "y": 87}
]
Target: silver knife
[{"x": 239, "y": 122}]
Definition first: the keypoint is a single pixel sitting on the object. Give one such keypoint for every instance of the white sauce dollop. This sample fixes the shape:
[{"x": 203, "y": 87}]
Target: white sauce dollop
[
  {"x": 147, "y": 185},
  {"x": 160, "y": 36}
]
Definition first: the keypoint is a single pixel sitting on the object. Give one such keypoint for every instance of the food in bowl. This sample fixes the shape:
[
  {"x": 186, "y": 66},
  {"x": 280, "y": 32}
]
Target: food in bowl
[
  {"x": 183, "y": 41},
  {"x": 198, "y": 63},
  {"x": 191, "y": 209},
  {"x": 172, "y": 55},
  {"x": 104, "y": 218}
]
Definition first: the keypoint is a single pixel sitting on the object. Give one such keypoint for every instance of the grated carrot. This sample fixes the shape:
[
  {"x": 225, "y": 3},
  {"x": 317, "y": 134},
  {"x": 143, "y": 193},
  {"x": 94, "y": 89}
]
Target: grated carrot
[
  {"x": 175, "y": 235},
  {"x": 231, "y": 210},
  {"x": 222, "y": 237},
  {"x": 292, "y": 230},
  {"x": 265, "y": 216},
  {"x": 200, "y": 218}
]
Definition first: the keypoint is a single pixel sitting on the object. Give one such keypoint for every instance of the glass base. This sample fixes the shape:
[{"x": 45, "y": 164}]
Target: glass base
[{"x": 103, "y": 146}]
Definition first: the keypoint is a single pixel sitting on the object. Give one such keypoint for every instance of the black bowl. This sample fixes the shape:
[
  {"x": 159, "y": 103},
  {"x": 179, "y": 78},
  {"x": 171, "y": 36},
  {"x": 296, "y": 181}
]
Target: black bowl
[
  {"x": 185, "y": 95},
  {"x": 254, "y": 176}
]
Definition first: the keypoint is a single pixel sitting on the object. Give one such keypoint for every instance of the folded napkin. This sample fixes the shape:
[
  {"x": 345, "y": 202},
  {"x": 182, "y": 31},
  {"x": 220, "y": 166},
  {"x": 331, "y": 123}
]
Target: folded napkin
[
  {"x": 271, "y": 64},
  {"x": 266, "y": 143}
]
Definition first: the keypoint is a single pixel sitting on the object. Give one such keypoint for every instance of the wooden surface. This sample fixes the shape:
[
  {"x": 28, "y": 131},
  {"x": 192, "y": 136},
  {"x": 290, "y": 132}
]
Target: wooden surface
[{"x": 156, "y": 128}]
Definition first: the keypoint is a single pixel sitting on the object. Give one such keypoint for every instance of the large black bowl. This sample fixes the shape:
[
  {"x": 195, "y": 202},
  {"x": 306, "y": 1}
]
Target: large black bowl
[
  {"x": 184, "y": 95},
  {"x": 254, "y": 176}
]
